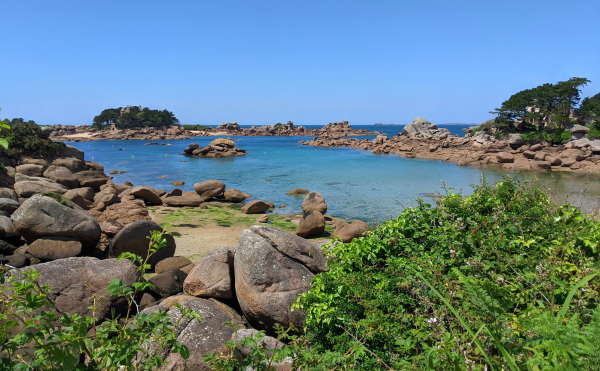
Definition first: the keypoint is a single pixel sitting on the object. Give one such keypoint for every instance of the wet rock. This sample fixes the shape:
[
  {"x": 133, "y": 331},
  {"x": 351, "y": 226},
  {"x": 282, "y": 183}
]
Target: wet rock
[
  {"x": 540, "y": 166},
  {"x": 178, "y": 183},
  {"x": 298, "y": 191}
]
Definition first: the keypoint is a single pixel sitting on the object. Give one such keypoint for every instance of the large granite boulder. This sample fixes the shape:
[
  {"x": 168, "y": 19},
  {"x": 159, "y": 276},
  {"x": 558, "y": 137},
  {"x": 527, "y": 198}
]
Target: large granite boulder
[
  {"x": 349, "y": 231},
  {"x": 235, "y": 195},
  {"x": 148, "y": 194},
  {"x": 77, "y": 199},
  {"x": 70, "y": 151},
  {"x": 505, "y": 157},
  {"x": 75, "y": 283},
  {"x": 52, "y": 248},
  {"x": 314, "y": 201},
  {"x": 51, "y": 214},
  {"x": 168, "y": 283},
  {"x": 255, "y": 207},
  {"x": 272, "y": 268},
  {"x": 7, "y": 229},
  {"x": 176, "y": 262},
  {"x": 61, "y": 175},
  {"x": 30, "y": 170},
  {"x": 212, "y": 276},
  {"x": 91, "y": 178},
  {"x": 74, "y": 165},
  {"x": 6, "y": 181},
  {"x": 209, "y": 189},
  {"x": 125, "y": 213},
  {"x": 134, "y": 239},
  {"x": 28, "y": 188},
  {"x": 9, "y": 193},
  {"x": 311, "y": 224},
  {"x": 183, "y": 201},
  {"x": 515, "y": 140},
  {"x": 201, "y": 338},
  {"x": 9, "y": 205}
]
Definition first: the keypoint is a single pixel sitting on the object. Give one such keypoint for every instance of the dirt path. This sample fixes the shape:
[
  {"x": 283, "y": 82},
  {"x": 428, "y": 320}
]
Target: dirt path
[{"x": 197, "y": 232}]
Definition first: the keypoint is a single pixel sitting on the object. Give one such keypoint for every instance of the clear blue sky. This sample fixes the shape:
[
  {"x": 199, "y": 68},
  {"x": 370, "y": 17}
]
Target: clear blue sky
[{"x": 312, "y": 62}]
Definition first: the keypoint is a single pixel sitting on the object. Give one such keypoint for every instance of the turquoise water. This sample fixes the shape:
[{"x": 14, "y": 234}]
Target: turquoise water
[{"x": 355, "y": 183}]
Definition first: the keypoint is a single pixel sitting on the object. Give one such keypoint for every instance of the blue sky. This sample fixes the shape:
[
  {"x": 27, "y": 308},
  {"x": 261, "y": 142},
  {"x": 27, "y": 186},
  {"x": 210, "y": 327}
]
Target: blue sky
[{"x": 260, "y": 62}]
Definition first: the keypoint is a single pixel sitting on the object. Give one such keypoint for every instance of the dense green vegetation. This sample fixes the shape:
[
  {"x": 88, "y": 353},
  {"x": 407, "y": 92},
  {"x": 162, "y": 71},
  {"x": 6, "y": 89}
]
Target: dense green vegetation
[
  {"x": 547, "y": 105},
  {"x": 196, "y": 127},
  {"x": 23, "y": 139},
  {"x": 500, "y": 263},
  {"x": 135, "y": 118},
  {"x": 35, "y": 336}
]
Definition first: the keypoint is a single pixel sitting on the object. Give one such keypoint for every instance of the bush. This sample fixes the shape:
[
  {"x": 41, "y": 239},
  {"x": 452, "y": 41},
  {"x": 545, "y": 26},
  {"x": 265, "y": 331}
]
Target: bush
[
  {"x": 196, "y": 127},
  {"x": 24, "y": 141},
  {"x": 115, "y": 344},
  {"x": 501, "y": 262}
]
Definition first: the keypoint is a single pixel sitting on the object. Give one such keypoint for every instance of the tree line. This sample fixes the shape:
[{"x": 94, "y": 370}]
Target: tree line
[
  {"x": 549, "y": 107},
  {"x": 135, "y": 118}
]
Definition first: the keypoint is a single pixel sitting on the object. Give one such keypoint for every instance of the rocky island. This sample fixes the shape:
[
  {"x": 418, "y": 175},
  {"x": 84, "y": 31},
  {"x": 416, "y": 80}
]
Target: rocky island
[{"x": 217, "y": 148}]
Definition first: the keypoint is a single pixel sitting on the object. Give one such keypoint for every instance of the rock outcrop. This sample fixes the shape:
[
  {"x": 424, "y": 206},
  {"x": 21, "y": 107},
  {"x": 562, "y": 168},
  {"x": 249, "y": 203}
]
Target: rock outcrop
[
  {"x": 51, "y": 214},
  {"x": 271, "y": 268}
]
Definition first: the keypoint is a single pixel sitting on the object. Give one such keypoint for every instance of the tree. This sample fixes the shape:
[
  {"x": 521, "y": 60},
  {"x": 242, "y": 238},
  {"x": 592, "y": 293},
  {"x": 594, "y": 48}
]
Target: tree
[
  {"x": 590, "y": 109},
  {"x": 548, "y": 105},
  {"x": 106, "y": 117}
]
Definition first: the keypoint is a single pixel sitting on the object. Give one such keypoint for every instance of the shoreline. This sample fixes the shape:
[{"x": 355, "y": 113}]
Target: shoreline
[
  {"x": 181, "y": 134},
  {"x": 470, "y": 151}
]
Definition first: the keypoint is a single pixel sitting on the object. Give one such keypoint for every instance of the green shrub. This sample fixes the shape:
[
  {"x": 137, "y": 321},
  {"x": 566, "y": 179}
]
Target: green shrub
[
  {"x": 24, "y": 140},
  {"x": 500, "y": 258},
  {"x": 196, "y": 127},
  {"x": 115, "y": 344},
  {"x": 593, "y": 133}
]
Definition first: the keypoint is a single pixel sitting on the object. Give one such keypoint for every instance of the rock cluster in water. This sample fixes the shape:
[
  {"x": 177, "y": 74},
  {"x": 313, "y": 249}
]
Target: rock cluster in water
[{"x": 217, "y": 148}]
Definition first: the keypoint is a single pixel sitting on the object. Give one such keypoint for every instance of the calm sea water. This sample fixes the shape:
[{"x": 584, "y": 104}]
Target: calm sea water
[{"x": 355, "y": 183}]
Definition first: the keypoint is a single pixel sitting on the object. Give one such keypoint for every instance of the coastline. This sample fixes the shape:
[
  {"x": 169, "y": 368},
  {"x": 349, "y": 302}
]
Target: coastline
[{"x": 471, "y": 151}]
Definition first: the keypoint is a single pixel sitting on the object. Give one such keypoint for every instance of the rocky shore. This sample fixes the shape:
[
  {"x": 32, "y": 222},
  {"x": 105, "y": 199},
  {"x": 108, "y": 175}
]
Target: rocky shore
[
  {"x": 85, "y": 133},
  {"x": 67, "y": 219},
  {"x": 421, "y": 139}
]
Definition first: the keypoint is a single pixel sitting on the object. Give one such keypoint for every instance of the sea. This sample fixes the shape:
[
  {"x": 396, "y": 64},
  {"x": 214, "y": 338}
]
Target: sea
[{"x": 355, "y": 183}]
